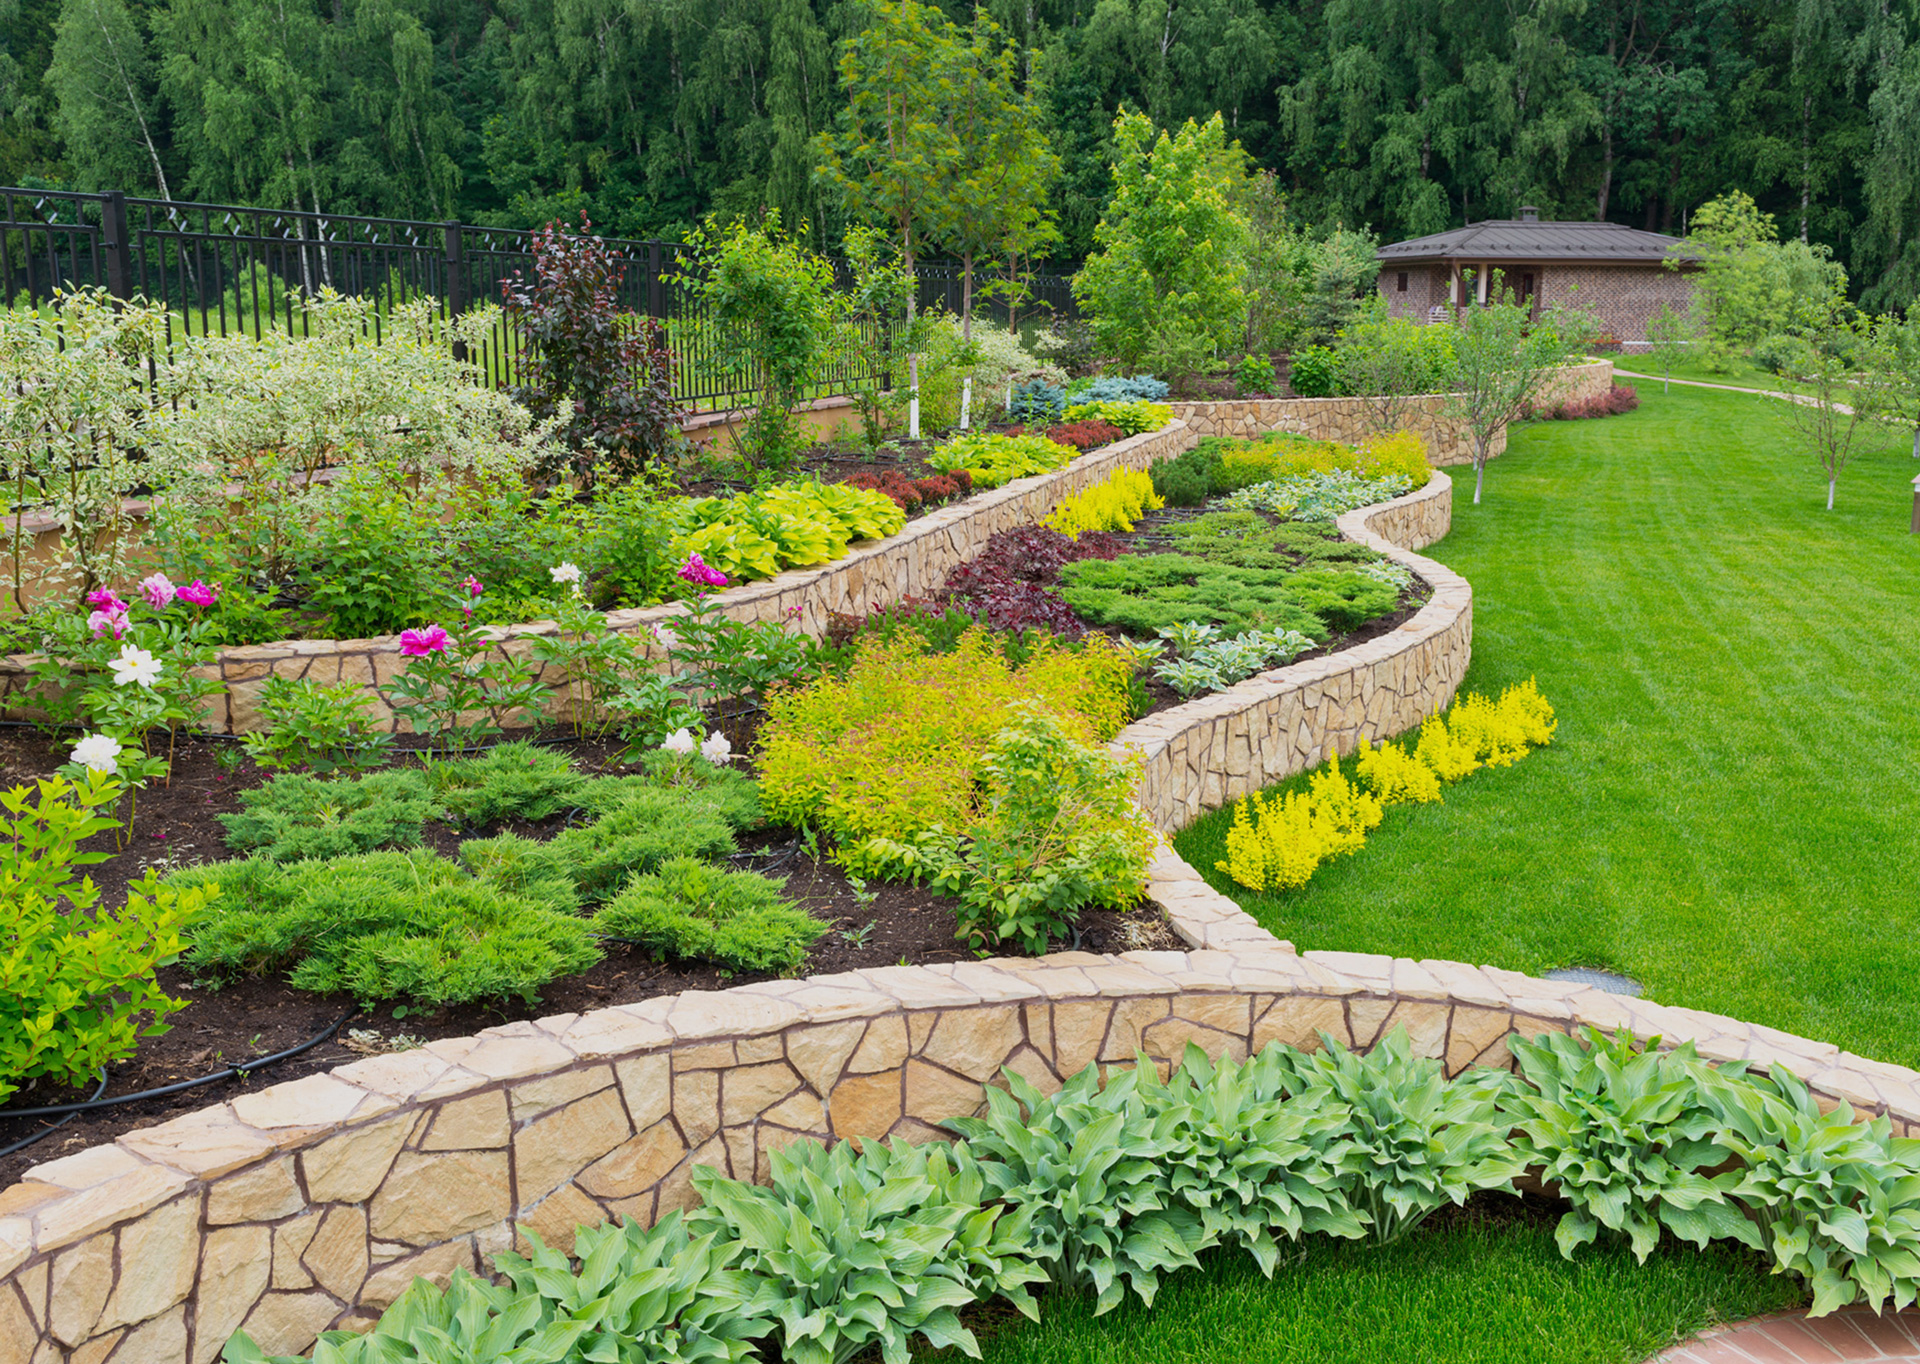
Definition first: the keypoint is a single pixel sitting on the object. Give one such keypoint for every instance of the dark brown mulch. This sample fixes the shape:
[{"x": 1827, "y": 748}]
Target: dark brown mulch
[{"x": 176, "y": 825}]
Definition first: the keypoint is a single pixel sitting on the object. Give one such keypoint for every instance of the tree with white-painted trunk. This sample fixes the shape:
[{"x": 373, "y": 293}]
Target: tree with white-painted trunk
[
  {"x": 1834, "y": 402},
  {"x": 1672, "y": 337},
  {"x": 1892, "y": 365},
  {"x": 1503, "y": 356}
]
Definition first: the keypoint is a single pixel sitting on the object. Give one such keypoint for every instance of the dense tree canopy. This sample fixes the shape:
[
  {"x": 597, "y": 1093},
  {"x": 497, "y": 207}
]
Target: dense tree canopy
[{"x": 1403, "y": 115}]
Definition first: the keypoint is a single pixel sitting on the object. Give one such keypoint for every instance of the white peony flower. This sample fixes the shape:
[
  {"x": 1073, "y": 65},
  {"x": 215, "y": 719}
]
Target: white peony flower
[
  {"x": 666, "y": 639},
  {"x": 680, "y": 741},
  {"x": 101, "y": 752},
  {"x": 134, "y": 665},
  {"x": 565, "y": 573},
  {"x": 716, "y": 749}
]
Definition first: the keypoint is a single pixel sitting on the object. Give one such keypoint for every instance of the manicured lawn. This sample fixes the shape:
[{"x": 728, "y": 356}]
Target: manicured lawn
[
  {"x": 1471, "y": 1293},
  {"x": 1729, "y": 811}
]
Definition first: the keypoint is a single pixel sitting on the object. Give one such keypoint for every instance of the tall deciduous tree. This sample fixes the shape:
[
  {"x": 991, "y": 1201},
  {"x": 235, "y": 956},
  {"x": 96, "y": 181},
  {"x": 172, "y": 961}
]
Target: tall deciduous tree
[
  {"x": 1167, "y": 277},
  {"x": 1501, "y": 357},
  {"x": 102, "y": 77},
  {"x": 992, "y": 166},
  {"x": 1750, "y": 284}
]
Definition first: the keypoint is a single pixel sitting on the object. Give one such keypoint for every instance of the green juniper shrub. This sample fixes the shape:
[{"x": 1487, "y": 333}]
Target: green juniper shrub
[
  {"x": 1141, "y": 593},
  {"x": 1187, "y": 479},
  {"x": 637, "y": 835},
  {"x": 689, "y": 908},
  {"x": 509, "y": 781},
  {"x": 384, "y": 926},
  {"x": 736, "y": 795},
  {"x": 294, "y": 817},
  {"x": 521, "y": 867}
]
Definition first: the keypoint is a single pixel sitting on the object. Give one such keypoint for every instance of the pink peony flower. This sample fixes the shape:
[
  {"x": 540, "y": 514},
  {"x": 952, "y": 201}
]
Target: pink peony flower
[
  {"x": 114, "y": 619},
  {"x": 103, "y": 598},
  {"x": 701, "y": 574},
  {"x": 472, "y": 584},
  {"x": 197, "y": 593},
  {"x": 159, "y": 591},
  {"x": 418, "y": 643}
]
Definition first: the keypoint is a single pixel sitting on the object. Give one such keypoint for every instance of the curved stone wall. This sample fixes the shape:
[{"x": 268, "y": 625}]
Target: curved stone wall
[
  {"x": 1351, "y": 420},
  {"x": 876, "y": 573},
  {"x": 1215, "y": 749}
]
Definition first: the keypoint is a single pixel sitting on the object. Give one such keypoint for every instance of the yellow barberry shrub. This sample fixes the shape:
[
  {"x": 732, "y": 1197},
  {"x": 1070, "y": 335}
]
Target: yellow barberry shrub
[
  {"x": 1395, "y": 776},
  {"x": 1495, "y": 735},
  {"x": 1401, "y": 453},
  {"x": 1274, "y": 844},
  {"x": 1343, "y": 814},
  {"x": 1114, "y": 504},
  {"x": 1438, "y": 748}
]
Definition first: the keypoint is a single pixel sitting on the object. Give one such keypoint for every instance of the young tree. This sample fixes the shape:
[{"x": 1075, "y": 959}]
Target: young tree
[
  {"x": 1672, "y": 335},
  {"x": 883, "y": 158},
  {"x": 1828, "y": 417},
  {"x": 1892, "y": 368},
  {"x": 1750, "y": 284},
  {"x": 776, "y": 309},
  {"x": 1167, "y": 277},
  {"x": 1501, "y": 356}
]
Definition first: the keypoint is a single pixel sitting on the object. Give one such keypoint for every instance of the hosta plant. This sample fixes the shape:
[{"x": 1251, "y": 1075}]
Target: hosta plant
[
  {"x": 1250, "y": 1163},
  {"x": 1087, "y": 1166},
  {"x": 1627, "y": 1137},
  {"x": 1837, "y": 1202},
  {"x": 1416, "y": 1141},
  {"x": 874, "y": 1245},
  {"x": 648, "y": 1295}
]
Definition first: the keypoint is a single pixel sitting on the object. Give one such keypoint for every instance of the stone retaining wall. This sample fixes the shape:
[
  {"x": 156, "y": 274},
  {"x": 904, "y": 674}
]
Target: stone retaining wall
[
  {"x": 1351, "y": 420},
  {"x": 875, "y": 573},
  {"x": 1210, "y": 751}
]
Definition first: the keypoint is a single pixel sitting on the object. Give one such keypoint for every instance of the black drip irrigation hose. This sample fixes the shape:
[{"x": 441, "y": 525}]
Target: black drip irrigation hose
[
  {"x": 67, "y": 1112},
  {"x": 24, "y": 1143}
]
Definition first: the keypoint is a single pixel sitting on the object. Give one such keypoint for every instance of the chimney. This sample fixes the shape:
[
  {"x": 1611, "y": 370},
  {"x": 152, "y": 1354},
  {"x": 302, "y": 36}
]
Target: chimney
[{"x": 1529, "y": 214}]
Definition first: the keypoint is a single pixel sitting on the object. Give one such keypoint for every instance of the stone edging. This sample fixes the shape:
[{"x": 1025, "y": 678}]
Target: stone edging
[{"x": 874, "y": 573}]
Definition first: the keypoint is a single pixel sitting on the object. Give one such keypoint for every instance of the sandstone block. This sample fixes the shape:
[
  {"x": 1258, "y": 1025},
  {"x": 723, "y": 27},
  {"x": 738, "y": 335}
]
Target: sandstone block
[
  {"x": 233, "y": 1274},
  {"x": 865, "y": 1105},
  {"x": 550, "y": 1151},
  {"x": 428, "y": 1197},
  {"x": 647, "y": 1083},
  {"x": 749, "y": 1090},
  {"x": 972, "y": 1042},
  {"x": 261, "y": 1194},
  {"x": 476, "y": 1124},
  {"x": 636, "y": 1164},
  {"x": 349, "y": 1167}
]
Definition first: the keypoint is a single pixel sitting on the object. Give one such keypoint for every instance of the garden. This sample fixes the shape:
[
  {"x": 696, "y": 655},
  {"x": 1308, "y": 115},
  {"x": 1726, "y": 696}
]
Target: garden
[{"x": 569, "y": 776}]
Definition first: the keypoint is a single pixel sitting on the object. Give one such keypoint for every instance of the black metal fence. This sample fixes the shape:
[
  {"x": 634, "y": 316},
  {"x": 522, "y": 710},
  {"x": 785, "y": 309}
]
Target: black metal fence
[{"x": 223, "y": 270}]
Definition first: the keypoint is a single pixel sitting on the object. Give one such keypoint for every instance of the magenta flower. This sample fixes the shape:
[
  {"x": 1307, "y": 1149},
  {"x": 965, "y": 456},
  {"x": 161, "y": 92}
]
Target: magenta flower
[
  {"x": 472, "y": 584},
  {"x": 114, "y": 619},
  {"x": 419, "y": 643},
  {"x": 197, "y": 593},
  {"x": 701, "y": 574},
  {"x": 103, "y": 598},
  {"x": 159, "y": 591}
]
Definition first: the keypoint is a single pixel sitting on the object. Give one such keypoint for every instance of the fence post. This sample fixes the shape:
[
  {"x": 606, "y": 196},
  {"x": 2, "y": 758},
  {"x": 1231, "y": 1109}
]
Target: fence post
[
  {"x": 115, "y": 241},
  {"x": 656, "y": 285},
  {"x": 456, "y": 279}
]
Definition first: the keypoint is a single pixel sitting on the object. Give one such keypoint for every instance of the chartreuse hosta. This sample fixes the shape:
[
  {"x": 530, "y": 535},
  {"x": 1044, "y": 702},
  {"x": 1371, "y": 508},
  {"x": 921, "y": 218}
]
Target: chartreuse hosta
[{"x": 1120, "y": 1178}]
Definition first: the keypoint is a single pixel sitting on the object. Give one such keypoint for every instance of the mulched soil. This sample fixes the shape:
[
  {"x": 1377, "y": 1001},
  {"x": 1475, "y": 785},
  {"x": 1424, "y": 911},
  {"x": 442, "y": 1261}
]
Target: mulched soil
[{"x": 177, "y": 825}]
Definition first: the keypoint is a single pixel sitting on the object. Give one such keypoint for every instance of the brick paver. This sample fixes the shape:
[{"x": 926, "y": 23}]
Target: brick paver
[{"x": 1849, "y": 1335}]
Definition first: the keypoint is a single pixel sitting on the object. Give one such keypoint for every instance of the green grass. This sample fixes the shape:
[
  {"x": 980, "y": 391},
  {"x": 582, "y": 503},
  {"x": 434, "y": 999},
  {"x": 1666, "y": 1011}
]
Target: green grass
[
  {"x": 1727, "y": 813},
  {"x": 1473, "y": 1292}
]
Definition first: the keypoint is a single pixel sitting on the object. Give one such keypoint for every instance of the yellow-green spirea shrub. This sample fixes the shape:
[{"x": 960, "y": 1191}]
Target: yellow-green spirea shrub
[{"x": 1111, "y": 505}]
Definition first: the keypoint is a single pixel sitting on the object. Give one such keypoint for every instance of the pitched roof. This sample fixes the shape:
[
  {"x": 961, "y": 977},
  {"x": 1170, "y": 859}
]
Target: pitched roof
[{"x": 1531, "y": 239}]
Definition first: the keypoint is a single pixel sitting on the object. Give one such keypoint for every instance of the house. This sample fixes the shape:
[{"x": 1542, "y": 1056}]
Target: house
[{"x": 1619, "y": 273}]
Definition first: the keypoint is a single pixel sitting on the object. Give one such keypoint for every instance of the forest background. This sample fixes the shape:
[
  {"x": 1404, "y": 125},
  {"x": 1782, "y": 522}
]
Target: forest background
[{"x": 1401, "y": 116}]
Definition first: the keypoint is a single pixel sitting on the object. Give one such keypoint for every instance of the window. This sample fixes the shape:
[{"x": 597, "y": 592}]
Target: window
[{"x": 1403, "y": 281}]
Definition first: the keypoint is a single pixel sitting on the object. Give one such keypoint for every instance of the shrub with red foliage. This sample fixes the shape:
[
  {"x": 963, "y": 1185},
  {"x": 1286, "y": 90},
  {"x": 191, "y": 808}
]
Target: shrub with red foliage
[
  {"x": 1081, "y": 436},
  {"x": 1009, "y": 584},
  {"x": 1620, "y": 398},
  {"x": 912, "y": 494}
]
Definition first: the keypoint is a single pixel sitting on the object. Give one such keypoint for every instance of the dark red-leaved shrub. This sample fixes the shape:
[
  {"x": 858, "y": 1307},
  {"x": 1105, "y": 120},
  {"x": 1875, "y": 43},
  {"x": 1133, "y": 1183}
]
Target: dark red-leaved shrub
[
  {"x": 1620, "y": 398},
  {"x": 1009, "y": 584},
  {"x": 1080, "y": 435},
  {"x": 913, "y": 494}
]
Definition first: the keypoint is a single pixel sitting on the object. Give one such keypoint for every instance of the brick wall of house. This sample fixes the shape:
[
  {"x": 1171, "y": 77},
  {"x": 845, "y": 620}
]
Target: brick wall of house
[
  {"x": 1426, "y": 286},
  {"x": 1624, "y": 296}
]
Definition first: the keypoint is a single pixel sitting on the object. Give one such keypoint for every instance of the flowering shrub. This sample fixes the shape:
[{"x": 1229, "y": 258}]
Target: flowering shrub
[
  {"x": 1112, "y": 505},
  {"x": 316, "y": 727},
  {"x": 1277, "y": 841},
  {"x": 78, "y": 979},
  {"x": 460, "y": 685},
  {"x": 993, "y": 461}
]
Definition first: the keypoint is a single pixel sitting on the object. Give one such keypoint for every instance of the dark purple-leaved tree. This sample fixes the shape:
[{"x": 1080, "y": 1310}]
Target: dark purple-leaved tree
[{"x": 604, "y": 370}]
